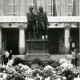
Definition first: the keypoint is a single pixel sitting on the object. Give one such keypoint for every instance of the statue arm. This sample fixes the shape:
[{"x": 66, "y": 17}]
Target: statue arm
[
  {"x": 28, "y": 17},
  {"x": 47, "y": 20},
  {"x": 38, "y": 17}
]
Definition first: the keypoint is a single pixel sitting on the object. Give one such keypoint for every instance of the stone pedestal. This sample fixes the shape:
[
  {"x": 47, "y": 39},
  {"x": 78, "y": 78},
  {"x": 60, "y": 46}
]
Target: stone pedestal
[{"x": 37, "y": 49}]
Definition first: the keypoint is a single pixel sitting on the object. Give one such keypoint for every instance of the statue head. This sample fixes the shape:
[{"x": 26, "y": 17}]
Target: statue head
[
  {"x": 30, "y": 8},
  {"x": 40, "y": 8}
]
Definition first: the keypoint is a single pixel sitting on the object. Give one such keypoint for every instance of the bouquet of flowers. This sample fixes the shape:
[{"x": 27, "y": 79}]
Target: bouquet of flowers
[
  {"x": 15, "y": 76},
  {"x": 52, "y": 69}
]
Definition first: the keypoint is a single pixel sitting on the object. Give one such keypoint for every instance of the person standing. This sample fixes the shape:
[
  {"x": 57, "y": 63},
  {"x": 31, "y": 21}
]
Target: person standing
[
  {"x": 73, "y": 61},
  {"x": 7, "y": 56},
  {"x": 10, "y": 54},
  {"x": 3, "y": 56},
  {"x": 42, "y": 23},
  {"x": 78, "y": 59},
  {"x": 31, "y": 24}
]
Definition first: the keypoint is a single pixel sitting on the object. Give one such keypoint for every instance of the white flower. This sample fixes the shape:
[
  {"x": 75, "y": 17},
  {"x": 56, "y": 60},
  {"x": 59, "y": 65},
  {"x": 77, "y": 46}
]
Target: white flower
[
  {"x": 21, "y": 65},
  {"x": 4, "y": 76},
  {"x": 66, "y": 66},
  {"x": 47, "y": 78},
  {"x": 62, "y": 61},
  {"x": 48, "y": 67},
  {"x": 10, "y": 62},
  {"x": 29, "y": 79},
  {"x": 70, "y": 66},
  {"x": 58, "y": 79},
  {"x": 25, "y": 68}
]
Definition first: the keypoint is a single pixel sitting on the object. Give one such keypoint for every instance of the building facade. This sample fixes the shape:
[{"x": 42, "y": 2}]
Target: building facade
[
  {"x": 62, "y": 36},
  {"x": 52, "y": 7}
]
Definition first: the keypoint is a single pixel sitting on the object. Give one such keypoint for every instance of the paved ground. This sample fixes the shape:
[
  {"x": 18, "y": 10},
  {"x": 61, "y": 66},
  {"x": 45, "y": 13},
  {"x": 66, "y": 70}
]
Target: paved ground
[
  {"x": 58, "y": 56},
  {"x": 55, "y": 56},
  {"x": 62, "y": 56}
]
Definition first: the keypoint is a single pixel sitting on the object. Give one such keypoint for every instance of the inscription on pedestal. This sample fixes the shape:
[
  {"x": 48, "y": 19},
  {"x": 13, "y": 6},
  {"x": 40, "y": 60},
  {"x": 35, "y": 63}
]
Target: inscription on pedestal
[
  {"x": 37, "y": 45},
  {"x": 37, "y": 48}
]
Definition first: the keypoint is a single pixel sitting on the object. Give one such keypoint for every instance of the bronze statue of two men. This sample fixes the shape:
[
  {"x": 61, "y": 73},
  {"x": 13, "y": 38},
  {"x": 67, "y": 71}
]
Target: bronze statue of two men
[{"x": 37, "y": 24}]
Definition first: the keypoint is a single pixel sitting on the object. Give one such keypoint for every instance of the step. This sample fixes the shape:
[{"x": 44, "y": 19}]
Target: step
[
  {"x": 43, "y": 56},
  {"x": 20, "y": 56}
]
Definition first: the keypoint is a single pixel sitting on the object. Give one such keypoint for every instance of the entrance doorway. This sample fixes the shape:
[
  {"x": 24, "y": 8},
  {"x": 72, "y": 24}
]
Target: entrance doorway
[
  {"x": 10, "y": 40},
  {"x": 74, "y": 43},
  {"x": 56, "y": 40},
  {"x": 53, "y": 37}
]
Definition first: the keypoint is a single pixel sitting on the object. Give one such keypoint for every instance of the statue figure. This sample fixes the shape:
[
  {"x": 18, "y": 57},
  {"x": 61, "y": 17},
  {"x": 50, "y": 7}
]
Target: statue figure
[
  {"x": 31, "y": 24},
  {"x": 42, "y": 23}
]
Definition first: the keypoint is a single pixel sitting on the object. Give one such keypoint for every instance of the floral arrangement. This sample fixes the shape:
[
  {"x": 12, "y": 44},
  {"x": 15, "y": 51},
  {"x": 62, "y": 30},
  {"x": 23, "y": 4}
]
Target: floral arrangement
[
  {"x": 18, "y": 60},
  {"x": 39, "y": 70},
  {"x": 38, "y": 61},
  {"x": 53, "y": 63}
]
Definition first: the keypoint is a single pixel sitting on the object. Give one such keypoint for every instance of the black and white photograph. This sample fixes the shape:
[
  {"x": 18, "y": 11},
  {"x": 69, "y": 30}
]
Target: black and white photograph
[{"x": 39, "y": 39}]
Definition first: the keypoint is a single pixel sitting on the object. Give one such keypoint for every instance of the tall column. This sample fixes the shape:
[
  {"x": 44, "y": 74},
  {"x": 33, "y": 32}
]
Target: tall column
[
  {"x": 21, "y": 41},
  {"x": 79, "y": 37},
  {"x": 66, "y": 40},
  {"x": 79, "y": 27},
  {"x": 0, "y": 41}
]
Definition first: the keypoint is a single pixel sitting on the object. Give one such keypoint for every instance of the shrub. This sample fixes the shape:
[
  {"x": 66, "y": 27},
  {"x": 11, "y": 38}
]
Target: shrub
[
  {"x": 69, "y": 74},
  {"x": 47, "y": 73},
  {"x": 15, "y": 77},
  {"x": 18, "y": 60},
  {"x": 38, "y": 61},
  {"x": 50, "y": 61},
  {"x": 2, "y": 69},
  {"x": 53, "y": 63}
]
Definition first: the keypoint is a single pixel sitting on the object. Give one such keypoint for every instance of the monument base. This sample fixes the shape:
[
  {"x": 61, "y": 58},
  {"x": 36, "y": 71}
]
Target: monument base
[
  {"x": 42, "y": 56},
  {"x": 37, "y": 49}
]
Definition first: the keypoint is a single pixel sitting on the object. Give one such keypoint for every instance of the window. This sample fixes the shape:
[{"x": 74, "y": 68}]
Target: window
[
  {"x": 70, "y": 7},
  {"x": 50, "y": 7},
  {"x": 32, "y": 3},
  {"x": 76, "y": 7},
  {"x": 13, "y": 8},
  {"x": 73, "y": 7},
  {"x": 70, "y": 1},
  {"x": 47, "y": 6},
  {"x": 14, "y": 2}
]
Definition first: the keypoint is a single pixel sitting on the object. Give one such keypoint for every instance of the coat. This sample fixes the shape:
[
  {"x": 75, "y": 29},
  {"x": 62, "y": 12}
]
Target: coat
[
  {"x": 78, "y": 61},
  {"x": 45, "y": 19},
  {"x": 31, "y": 18},
  {"x": 42, "y": 25}
]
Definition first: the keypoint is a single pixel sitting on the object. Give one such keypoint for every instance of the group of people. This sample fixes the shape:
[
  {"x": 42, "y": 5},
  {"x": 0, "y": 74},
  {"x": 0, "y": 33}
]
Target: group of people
[
  {"x": 37, "y": 23},
  {"x": 6, "y": 56},
  {"x": 75, "y": 58}
]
